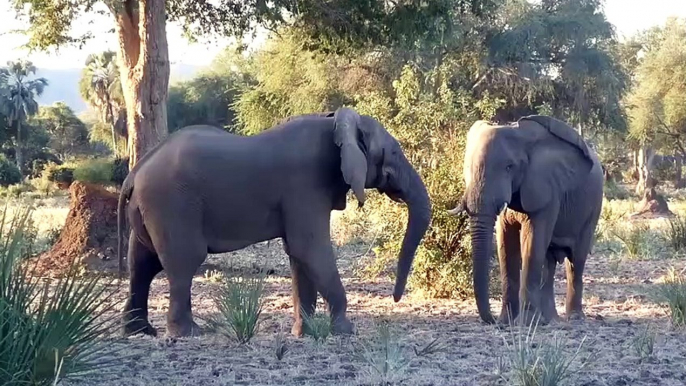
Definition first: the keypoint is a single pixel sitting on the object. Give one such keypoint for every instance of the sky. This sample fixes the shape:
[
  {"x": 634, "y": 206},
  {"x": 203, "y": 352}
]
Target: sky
[{"x": 628, "y": 16}]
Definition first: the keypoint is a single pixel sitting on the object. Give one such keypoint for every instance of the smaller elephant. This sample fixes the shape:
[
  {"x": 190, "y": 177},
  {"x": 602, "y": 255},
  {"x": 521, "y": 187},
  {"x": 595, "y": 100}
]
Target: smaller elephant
[
  {"x": 542, "y": 186},
  {"x": 203, "y": 190}
]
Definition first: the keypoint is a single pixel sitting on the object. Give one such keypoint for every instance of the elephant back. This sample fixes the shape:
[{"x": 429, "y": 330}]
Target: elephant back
[{"x": 561, "y": 130}]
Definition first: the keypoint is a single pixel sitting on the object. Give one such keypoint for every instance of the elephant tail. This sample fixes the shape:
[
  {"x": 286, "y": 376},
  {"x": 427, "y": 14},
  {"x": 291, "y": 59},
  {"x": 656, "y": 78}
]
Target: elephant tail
[{"x": 124, "y": 194}]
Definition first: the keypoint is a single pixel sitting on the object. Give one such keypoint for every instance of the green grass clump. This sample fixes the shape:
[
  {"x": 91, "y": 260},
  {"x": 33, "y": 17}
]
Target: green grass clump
[
  {"x": 240, "y": 303},
  {"x": 383, "y": 355},
  {"x": 317, "y": 325},
  {"x": 529, "y": 361},
  {"x": 49, "y": 330},
  {"x": 644, "y": 344},
  {"x": 633, "y": 238},
  {"x": 673, "y": 293},
  {"x": 675, "y": 234}
]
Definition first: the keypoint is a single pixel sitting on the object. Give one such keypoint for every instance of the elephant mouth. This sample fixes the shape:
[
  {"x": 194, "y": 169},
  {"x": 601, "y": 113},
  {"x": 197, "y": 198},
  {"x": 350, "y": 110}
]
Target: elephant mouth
[{"x": 394, "y": 195}]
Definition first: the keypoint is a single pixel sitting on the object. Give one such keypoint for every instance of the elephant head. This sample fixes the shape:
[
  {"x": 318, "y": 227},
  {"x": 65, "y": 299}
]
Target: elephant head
[
  {"x": 524, "y": 166},
  {"x": 372, "y": 158}
]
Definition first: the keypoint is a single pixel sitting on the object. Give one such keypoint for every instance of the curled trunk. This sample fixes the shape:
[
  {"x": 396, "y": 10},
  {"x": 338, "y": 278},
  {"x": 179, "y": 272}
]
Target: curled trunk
[
  {"x": 419, "y": 206},
  {"x": 482, "y": 249}
]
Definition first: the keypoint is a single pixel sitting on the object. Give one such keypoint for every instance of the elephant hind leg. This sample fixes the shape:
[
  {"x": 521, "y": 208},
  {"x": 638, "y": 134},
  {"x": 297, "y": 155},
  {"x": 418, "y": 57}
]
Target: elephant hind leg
[
  {"x": 549, "y": 311},
  {"x": 575, "y": 265},
  {"x": 144, "y": 265},
  {"x": 510, "y": 258},
  {"x": 304, "y": 295}
]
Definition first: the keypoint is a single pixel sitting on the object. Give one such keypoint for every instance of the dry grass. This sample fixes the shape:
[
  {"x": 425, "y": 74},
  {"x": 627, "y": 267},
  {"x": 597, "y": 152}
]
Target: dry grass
[{"x": 617, "y": 303}]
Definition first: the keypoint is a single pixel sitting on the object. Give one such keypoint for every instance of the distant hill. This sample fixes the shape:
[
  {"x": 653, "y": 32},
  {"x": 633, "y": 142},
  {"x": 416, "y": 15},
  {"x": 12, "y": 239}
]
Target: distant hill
[{"x": 64, "y": 84}]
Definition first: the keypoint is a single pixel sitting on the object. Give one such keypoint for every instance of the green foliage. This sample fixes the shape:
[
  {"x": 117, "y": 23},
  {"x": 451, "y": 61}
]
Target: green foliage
[
  {"x": 634, "y": 238},
  {"x": 289, "y": 81},
  {"x": 383, "y": 355},
  {"x": 658, "y": 106},
  {"x": 95, "y": 171},
  {"x": 208, "y": 97},
  {"x": 672, "y": 291},
  {"x": 68, "y": 136},
  {"x": 44, "y": 339},
  {"x": 9, "y": 172},
  {"x": 240, "y": 302}
]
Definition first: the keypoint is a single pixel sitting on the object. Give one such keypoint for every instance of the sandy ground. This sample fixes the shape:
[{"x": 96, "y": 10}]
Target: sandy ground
[{"x": 617, "y": 305}]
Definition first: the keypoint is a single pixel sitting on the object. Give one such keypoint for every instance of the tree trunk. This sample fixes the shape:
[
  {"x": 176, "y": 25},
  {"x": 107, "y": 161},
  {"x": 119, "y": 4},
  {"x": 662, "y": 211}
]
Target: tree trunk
[
  {"x": 18, "y": 154},
  {"x": 645, "y": 159},
  {"x": 144, "y": 66},
  {"x": 111, "y": 119},
  {"x": 678, "y": 179},
  {"x": 634, "y": 159}
]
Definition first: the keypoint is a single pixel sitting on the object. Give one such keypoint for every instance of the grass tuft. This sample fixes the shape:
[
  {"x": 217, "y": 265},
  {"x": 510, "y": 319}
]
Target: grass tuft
[
  {"x": 644, "y": 344},
  {"x": 240, "y": 303},
  {"x": 280, "y": 347},
  {"x": 673, "y": 292},
  {"x": 383, "y": 355},
  {"x": 317, "y": 325},
  {"x": 529, "y": 361},
  {"x": 675, "y": 234}
]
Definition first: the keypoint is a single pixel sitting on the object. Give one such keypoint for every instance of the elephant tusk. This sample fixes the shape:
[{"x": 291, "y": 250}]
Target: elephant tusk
[{"x": 456, "y": 211}]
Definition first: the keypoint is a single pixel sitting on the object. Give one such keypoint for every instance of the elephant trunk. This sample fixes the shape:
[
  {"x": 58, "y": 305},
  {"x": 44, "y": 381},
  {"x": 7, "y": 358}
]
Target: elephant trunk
[
  {"x": 417, "y": 199},
  {"x": 482, "y": 249}
]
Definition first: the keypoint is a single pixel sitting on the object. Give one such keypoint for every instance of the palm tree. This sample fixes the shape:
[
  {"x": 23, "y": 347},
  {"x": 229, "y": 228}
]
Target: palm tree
[
  {"x": 101, "y": 88},
  {"x": 20, "y": 101}
]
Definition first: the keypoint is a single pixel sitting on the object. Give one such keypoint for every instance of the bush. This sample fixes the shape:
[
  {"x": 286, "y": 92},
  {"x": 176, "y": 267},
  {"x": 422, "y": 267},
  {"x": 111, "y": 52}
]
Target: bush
[
  {"x": 61, "y": 174},
  {"x": 95, "y": 171},
  {"x": 9, "y": 172},
  {"x": 431, "y": 129},
  {"x": 47, "y": 338},
  {"x": 120, "y": 169}
]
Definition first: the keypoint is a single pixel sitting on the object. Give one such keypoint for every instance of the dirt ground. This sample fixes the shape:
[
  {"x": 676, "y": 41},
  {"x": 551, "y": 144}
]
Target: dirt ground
[{"x": 617, "y": 305}]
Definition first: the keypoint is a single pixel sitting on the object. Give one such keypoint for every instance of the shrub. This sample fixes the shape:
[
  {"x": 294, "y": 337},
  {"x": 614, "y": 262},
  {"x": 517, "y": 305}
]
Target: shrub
[
  {"x": 634, "y": 239},
  {"x": 95, "y": 171},
  {"x": 120, "y": 169},
  {"x": 240, "y": 303},
  {"x": 431, "y": 127},
  {"x": 47, "y": 338},
  {"x": 673, "y": 292},
  {"x": 62, "y": 174},
  {"x": 9, "y": 172},
  {"x": 614, "y": 191}
]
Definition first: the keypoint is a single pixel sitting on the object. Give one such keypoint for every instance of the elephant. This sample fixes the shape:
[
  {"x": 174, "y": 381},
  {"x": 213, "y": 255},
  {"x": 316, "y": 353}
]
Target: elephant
[
  {"x": 204, "y": 190},
  {"x": 541, "y": 186}
]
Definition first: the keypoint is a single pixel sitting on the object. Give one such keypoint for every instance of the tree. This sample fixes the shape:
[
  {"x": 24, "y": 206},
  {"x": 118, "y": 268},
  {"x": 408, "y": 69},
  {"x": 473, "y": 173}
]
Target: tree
[
  {"x": 657, "y": 106},
  {"x": 68, "y": 135},
  {"x": 100, "y": 87},
  {"x": 21, "y": 103}
]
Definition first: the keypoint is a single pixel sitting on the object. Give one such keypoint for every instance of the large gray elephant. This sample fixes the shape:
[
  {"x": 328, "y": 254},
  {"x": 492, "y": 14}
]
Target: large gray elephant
[
  {"x": 544, "y": 186},
  {"x": 204, "y": 190}
]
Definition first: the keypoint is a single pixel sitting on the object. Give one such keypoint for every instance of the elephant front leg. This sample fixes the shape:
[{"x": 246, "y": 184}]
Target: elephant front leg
[
  {"x": 535, "y": 239},
  {"x": 509, "y": 256},
  {"x": 549, "y": 310},
  {"x": 304, "y": 296}
]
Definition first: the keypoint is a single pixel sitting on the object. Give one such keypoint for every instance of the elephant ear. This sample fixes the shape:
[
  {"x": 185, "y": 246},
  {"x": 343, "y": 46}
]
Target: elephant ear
[
  {"x": 353, "y": 160},
  {"x": 554, "y": 167}
]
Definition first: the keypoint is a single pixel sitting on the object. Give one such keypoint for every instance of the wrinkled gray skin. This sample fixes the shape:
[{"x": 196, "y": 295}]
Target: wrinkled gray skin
[
  {"x": 204, "y": 190},
  {"x": 551, "y": 186}
]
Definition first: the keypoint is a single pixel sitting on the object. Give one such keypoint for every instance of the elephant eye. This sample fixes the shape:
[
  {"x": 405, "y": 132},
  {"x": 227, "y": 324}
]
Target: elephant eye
[{"x": 508, "y": 167}]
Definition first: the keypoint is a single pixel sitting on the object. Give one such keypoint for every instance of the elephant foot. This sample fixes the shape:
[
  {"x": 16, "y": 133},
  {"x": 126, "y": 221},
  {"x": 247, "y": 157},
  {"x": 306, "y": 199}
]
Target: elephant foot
[
  {"x": 576, "y": 316},
  {"x": 299, "y": 329},
  {"x": 530, "y": 316},
  {"x": 342, "y": 326},
  {"x": 138, "y": 326},
  {"x": 184, "y": 329}
]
